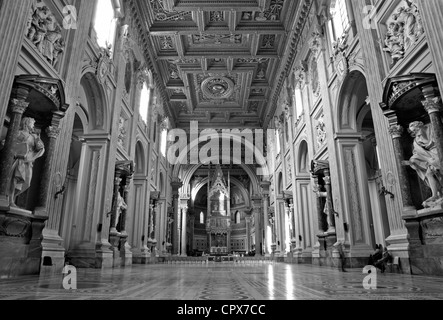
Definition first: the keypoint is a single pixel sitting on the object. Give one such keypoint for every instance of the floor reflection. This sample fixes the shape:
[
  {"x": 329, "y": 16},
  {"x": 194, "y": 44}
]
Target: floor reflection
[{"x": 222, "y": 282}]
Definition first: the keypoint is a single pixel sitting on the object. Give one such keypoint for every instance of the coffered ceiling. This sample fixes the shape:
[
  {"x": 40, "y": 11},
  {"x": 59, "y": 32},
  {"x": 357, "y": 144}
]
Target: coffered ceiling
[{"x": 219, "y": 60}]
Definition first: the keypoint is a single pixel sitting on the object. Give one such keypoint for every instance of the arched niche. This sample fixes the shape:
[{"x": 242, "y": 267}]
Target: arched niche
[
  {"x": 303, "y": 162},
  {"x": 356, "y": 141},
  {"x": 140, "y": 160},
  {"x": 280, "y": 189}
]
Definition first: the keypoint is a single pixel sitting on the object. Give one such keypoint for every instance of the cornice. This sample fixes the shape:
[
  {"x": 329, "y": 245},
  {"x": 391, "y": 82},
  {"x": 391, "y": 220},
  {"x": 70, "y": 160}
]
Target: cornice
[{"x": 292, "y": 45}]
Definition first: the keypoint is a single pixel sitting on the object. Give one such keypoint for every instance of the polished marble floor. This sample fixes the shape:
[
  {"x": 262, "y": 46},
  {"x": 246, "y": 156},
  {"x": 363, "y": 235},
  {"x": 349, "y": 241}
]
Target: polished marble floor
[{"x": 223, "y": 282}]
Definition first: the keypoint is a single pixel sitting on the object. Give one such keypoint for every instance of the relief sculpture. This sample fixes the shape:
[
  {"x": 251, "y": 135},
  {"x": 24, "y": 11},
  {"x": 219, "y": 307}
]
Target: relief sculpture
[{"x": 45, "y": 33}]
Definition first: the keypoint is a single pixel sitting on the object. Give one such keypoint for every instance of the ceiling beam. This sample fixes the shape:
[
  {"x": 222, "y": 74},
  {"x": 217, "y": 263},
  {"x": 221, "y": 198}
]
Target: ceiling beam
[
  {"x": 214, "y": 55},
  {"x": 179, "y": 46},
  {"x": 186, "y": 30},
  {"x": 243, "y": 5}
]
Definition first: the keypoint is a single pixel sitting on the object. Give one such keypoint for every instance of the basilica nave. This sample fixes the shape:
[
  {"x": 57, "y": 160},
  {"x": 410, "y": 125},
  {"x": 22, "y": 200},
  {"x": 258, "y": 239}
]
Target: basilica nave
[{"x": 236, "y": 150}]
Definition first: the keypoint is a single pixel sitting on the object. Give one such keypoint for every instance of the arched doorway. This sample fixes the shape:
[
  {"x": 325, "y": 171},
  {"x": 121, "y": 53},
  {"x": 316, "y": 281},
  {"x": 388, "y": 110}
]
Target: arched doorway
[
  {"x": 87, "y": 192},
  {"x": 305, "y": 216},
  {"x": 138, "y": 235},
  {"x": 379, "y": 211},
  {"x": 71, "y": 183},
  {"x": 359, "y": 165},
  {"x": 236, "y": 209}
]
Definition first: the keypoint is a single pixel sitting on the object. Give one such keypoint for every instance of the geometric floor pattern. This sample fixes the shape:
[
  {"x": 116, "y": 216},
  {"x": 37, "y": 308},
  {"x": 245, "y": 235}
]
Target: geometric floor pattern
[{"x": 223, "y": 282}]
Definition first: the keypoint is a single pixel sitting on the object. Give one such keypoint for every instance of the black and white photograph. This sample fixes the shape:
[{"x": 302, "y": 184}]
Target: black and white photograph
[{"x": 225, "y": 158}]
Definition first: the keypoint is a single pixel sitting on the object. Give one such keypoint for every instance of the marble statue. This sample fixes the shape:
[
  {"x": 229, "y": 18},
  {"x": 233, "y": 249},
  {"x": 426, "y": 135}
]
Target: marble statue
[
  {"x": 425, "y": 161},
  {"x": 326, "y": 212},
  {"x": 121, "y": 205},
  {"x": 27, "y": 149}
]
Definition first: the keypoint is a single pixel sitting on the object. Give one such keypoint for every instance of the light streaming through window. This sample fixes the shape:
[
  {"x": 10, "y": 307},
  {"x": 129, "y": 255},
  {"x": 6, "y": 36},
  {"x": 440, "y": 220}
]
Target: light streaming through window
[
  {"x": 298, "y": 103},
  {"x": 144, "y": 103},
  {"x": 164, "y": 141},
  {"x": 105, "y": 23},
  {"x": 340, "y": 19}
]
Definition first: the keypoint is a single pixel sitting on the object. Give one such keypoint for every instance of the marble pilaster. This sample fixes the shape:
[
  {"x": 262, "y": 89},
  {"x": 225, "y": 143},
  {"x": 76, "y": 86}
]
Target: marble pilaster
[
  {"x": 257, "y": 207},
  {"x": 176, "y": 185},
  {"x": 13, "y": 21},
  {"x": 266, "y": 185},
  {"x": 53, "y": 133},
  {"x": 431, "y": 12},
  {"x": 184, "y": 230},
  {"x": 374, "y": 60},
  {"x": 248, "y": 234},
  {"x": 396, "y": 132}
]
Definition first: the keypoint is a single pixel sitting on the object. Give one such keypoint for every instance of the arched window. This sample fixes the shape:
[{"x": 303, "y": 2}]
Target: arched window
[
  {"x": 144, "y": 103},
  {"x": 237, "y": 218},
  {"x": 164, "y": 142},
  {"x": 339, "y": 22},
  {"x": 202, "y": 218},
  {"x": 105, "y": 22},
  {"x": 277, "y": 142},
  {"x": 298, "y": 103}
]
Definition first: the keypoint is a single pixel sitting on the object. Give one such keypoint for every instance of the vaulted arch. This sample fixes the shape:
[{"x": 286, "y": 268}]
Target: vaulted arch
[
  {"x": 351, "y": 99},
  {"x": 94, "y": 103}
]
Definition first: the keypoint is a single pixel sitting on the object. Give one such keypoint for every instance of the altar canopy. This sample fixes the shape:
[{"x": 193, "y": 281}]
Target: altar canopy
[{"x": 219, "y": 222}]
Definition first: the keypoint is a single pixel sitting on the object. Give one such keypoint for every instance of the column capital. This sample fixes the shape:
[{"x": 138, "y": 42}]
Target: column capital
[
  {"x": 18, "y": 106},
  {"x": 53, "y": 132},
  {"x": 396, "y": 131},
  {"x": 176, "y": 184},
  {"x": 433, "y": 105},
  {"x": 257, "y": 199}
]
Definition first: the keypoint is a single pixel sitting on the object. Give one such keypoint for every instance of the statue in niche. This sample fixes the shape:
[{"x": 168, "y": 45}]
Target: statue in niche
[
  {"x": 321, "y": 132},
  {"x": 121, "y": 205},
  {"x": 326, "y": 212},
  {"x": 426, "y": 162},
  {"x": 122, "y": 131},
  {"x": 28, "y": 148},
  {"x": 271, "y": 218}
]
